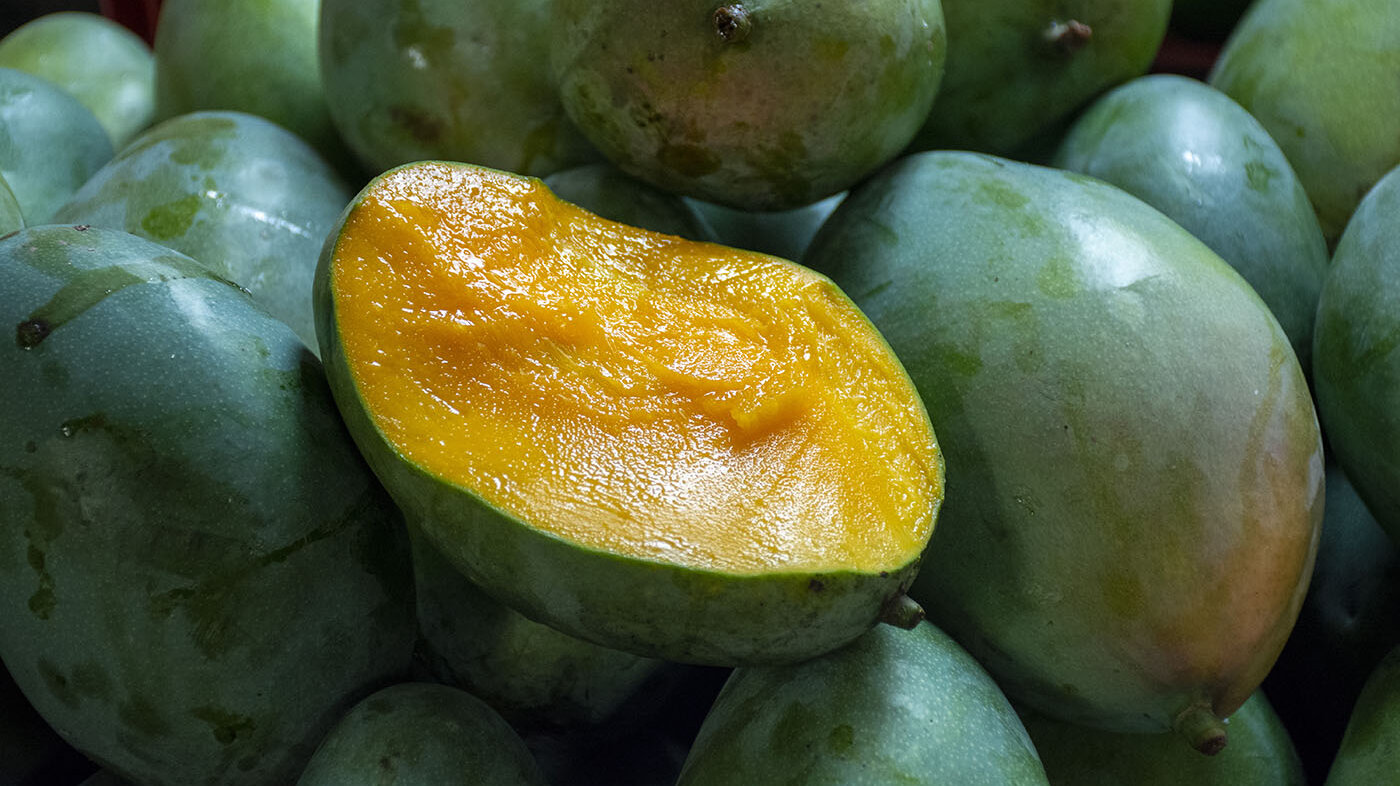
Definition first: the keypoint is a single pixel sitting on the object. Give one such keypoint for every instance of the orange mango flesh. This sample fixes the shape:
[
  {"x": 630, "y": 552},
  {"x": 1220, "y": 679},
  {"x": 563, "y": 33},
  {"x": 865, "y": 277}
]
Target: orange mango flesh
[{"x": 626, "y": 390}]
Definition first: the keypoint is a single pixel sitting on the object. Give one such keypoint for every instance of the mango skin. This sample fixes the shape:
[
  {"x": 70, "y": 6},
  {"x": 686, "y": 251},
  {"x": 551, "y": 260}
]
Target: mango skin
[
  {"x": 1260, "y": 753},
  {"x": 108, "y": 68},
  {"x": 49, "y": 143},
  {"x": 197, "y": 573},
  {"x": 894, "y": 706},
  {"x": 244, "y": 196},
  {"x": 1005, "y": 85},
  {"x": 408, "y": 80},
  {"x": 415, "y": 734},
  {"x": 1318, "y": 74},
  {"x": 11, "y": 218},
  {"x": 812, "y": 99},
  {"x": 1197, "y": 156},
  {"x": 648, "y": 608},
  {"x": 1137, "y": 465},
  {"x": 1370, "y": 749},
  {"x": 604, "y": 189}
]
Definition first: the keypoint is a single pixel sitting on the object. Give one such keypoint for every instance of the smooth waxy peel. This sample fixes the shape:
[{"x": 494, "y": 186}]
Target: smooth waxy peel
[{"x": 662, "y": 446}]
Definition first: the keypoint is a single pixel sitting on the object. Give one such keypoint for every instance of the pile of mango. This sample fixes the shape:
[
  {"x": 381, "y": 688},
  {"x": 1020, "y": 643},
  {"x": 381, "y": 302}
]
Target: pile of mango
[{"x": 727, "y": 392}]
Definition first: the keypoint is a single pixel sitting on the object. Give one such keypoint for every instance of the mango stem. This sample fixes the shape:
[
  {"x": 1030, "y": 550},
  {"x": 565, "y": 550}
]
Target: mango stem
[
  {"x": 732, "y": 22},
  {"x": 1201, "y": 728},
  {"x": 1066, "y": 38},
  {"x": 902, "y": 611}
]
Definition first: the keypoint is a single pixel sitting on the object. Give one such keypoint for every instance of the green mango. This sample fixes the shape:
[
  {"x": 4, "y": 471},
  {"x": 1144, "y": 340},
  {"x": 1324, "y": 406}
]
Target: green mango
[
  {"x": 255, "y": 57},
  {"x": 408, "y": 80},
  {"x": 1197, "y": 156},
  {"x": 894, "y": 706},
  {"x": 1137, "y": 464},
  {"x": 418, "y": 734},
  {"x": 244, "y": 196},
  {"x": 1318, "y": 74},
  {"x": 1017, "y": 68},
  {"x": 1370, "y": 749},
  {"x": 49, "y": 143},
  {"x": 1356, "y": 366},
  {"x": 198, "y": 574},
  {"x": 782, "y": 233},
  {"x": 1260, "y": 753},
  {"x": 104, "y": 65},
  {"x": 604, "y": 189},
  {"x": 10, "y": 216},
  {"x": 530, "y": 673},
  {"x": 759, "y": 105}
]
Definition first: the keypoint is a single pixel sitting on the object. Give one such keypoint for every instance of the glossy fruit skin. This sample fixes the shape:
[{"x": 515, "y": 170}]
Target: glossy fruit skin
[
  {"x": 1260, "y": 753},
  {"x": 408, "y": 80},
  {"x": 244, "y": 196},
  {"x": 649, "y": 608},
  {"x": 1006, "y": 84},
  {"x": 1197, "y": 156},
  {"x": 108, "y": 68},
  {"x": 606, "y": 190},
  {"x": 197, "y": 573},
  {"x": 1317, "y": 75},
  {"x": 1369, "y": 751},
  {"x": 49, "y": 143},
  {"x": 420, "y": 733},
  {"x": 1137, "y": 464},
  {"x": 802, "y": 101},
  {"x": 894, "y": 706}
]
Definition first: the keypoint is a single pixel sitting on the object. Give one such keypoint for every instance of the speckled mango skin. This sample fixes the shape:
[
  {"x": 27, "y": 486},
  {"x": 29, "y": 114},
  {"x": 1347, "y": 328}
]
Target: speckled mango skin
[
  {"x": 604, "y": 189},
  {"x": 244, "y": 196},
  {"x": 1356, "y": 350},
  {"x": 649, "y": 608},
  {"x": 1260, "y": 753},
  {"x": 1135, "y": 464},
  {"x": 1370, "y": 750},
  {"x": 1005, "y": 85},
  {"x": 104, "y": 65},
  {"x": 814, "y": 98},
  {"x": 49, "y": 143},
  {"x": 894, "y": 706},
  {"x": 197, "y": 573},
  {"x": 1320, "y": 76},
  {"x": 417, "y": 734},
  {"x": 1197, "y": 156},
  {"x": 459, "y": 80}
]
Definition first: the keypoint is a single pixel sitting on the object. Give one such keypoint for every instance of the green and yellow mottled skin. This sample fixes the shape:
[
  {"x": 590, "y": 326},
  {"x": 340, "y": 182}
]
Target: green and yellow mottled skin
[
  {"x": 244, "y": 196},
  {"x": 1260, "y": 753},
  {"x": 895, "y": 706},
  {"x": 1370, "y": 751},
  {"x": 104, "y": 65},
  {"x": 792, "y": 104},
  {"x": 417, "y": 734},
  {"x": 197, "y": 573},
  {"x": 408, "y": 80},
  {"x": 1136, "y": 465},
  {"x": 1197, "y": 156},
  {"x": 1016, "y": 69},
  {"x": 50, "y": 144},
  {"x": 1320, "y": 75},
  {"x": 604, "y": 189}
]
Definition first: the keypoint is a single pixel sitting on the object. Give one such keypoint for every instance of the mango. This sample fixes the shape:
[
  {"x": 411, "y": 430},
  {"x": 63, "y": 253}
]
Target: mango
[
  {"x": 244, "y": 196},
  {"x": 1318, "y": 76},
  {"x": 11, "y": 218},
  {"x": 894, "y": 706},
  {"x": 670, "y": 448},
  {"x": 1197, "y": 156},
  {"x": 49, "y": 143},
  {"x": 604, "y": 189},
  {"x": 1370, "y": 749},
  {"x": 760, "y": 104},
  {"x": 108, "y": 68},
  {"x": 1137, "y": 464},
  {"x": 198, "y": 574}
]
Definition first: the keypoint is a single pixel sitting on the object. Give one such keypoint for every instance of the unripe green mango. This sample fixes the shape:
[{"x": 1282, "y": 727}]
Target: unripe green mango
[
  {"x": 50, "y": 144},
  {"x": 418, "y": 734},
  {"x": 1370, "y": 750},
  {"x": 104, "y": 65},
  {"x": 1016, "y": 68},
  {"x": 244, "y": 196},
  {"x": 198, "y": 574},
  {"x": 1138, "y": 466},
  {"x": 10, "y": 216},
  {"x": 759, "y": 105},
  {"x": 894, "y": 706},
  {"x": 1260, "y": 754},
  {"x": 1197, "y": 156},
  {"x": 408, "y": 80},
  {"x": 606, "y": 190},
  {"x": 1320, "y": 76}
]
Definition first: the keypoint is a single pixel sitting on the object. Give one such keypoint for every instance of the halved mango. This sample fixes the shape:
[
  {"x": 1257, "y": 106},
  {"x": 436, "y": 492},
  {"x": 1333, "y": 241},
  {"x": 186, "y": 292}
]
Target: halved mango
[{"x": 667, "y": 447}]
